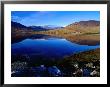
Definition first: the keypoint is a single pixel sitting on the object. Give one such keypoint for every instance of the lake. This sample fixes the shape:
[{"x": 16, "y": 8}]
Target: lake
[{"x": 47, "y": 48}]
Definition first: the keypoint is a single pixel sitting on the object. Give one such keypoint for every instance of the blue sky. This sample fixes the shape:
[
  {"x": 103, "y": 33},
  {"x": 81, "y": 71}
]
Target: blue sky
[{"x": 59, "y": 18}]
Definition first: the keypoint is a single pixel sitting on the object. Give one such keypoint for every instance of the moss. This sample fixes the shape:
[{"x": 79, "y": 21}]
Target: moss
[{"x": 88, "y": 56}]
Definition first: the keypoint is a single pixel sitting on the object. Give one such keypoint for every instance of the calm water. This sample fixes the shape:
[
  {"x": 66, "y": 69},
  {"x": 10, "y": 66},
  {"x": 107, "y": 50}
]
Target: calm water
[{"x": 48, "y": 48}]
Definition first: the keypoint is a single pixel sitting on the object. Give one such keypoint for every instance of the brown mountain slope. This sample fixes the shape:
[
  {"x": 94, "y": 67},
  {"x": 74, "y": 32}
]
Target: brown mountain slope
[
  {"x": 90, "y": 26},
  {"x": 83, "y": 32}
]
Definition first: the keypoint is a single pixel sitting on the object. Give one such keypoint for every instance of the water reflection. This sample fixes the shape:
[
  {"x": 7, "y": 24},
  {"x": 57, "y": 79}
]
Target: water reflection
[{"x": 49, "y": 47}]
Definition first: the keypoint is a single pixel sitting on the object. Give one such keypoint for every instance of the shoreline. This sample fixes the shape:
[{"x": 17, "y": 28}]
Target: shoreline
[{"x": 81, "y": 39}]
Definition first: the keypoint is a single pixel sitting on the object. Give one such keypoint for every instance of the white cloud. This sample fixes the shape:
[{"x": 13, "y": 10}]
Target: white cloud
[{"x": 15, "y": 18}]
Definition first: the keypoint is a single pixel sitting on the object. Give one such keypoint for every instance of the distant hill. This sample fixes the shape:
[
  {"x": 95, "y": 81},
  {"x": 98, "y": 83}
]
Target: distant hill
[
  {"x": 17, "y": 25},
  {"x": 46, "y": 27},
  {"x": 90, "y": 26},
  {"x": 36, "y": 28},
  {"x": 52, "y": 27},
  {"x": 20, "y": 26},
  {"x": 87, "y": 23}
]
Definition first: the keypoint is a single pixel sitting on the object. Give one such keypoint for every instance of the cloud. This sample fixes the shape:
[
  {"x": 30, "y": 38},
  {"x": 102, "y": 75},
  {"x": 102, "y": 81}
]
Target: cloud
[
  {"x": 32, "y": 18},
  {"x": 36, "y": 18},
  {"x": 15, "y": 18}
]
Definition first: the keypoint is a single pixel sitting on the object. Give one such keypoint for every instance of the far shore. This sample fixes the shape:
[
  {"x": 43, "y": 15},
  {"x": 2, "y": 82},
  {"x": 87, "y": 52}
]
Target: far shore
[{"x": 82, "y": 39}]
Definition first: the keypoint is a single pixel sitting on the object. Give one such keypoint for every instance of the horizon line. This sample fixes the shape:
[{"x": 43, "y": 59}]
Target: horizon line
[{"x": 57, "y": 25}]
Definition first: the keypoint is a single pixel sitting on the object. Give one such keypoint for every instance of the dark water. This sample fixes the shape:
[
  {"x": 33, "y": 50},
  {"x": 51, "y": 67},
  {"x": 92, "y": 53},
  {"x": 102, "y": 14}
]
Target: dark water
[{"x": 48, "y": 48}]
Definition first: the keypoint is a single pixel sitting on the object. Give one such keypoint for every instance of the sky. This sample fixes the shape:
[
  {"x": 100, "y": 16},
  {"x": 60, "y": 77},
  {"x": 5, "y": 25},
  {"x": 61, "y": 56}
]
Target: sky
[{"x": 58, "y": 18}]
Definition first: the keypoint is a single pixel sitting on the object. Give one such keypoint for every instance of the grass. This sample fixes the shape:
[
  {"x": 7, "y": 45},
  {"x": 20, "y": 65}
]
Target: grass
[{"x": 87, "y": 56}]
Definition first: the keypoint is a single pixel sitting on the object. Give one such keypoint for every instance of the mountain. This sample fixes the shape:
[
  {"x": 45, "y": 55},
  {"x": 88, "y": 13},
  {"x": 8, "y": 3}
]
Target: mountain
[
  {"x": 88, "y": 23},
  {"x": 37, "y": 28},
  {"x": 20, "y": 26},
  {"x": 52, "y": 27},
  {"x": 17, "y": 25},
  {"x": 46, "y": 27},
  {"x": 90, "y": 26}
]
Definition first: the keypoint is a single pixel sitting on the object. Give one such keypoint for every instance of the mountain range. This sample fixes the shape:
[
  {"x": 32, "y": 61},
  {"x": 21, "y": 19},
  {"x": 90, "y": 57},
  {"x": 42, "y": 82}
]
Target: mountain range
[
  {"x": 83, "y": 32},
  {"x": 37, "y": 28},
  {"x": 86, "y": 23},
  {"x": 83, "y": 27},
  {"x": 90, "y": 26},
  {"x": 17, "y": 25}
]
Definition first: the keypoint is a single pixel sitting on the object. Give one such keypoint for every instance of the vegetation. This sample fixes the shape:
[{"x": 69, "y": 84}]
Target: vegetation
[
  {"x": 80, "y": 33},
  {"x": 71, "y": 66},
  {"x": 89, "y": 60},
  {"x": 84, "y": 32},
  {"x": 87, "y": 56}
]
